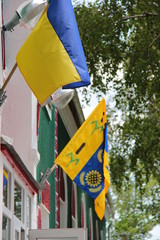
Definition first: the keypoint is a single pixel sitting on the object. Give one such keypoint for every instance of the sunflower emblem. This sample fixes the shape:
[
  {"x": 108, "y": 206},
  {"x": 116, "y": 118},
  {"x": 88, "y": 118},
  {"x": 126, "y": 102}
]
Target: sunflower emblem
[{"x": 93, "y": 178}]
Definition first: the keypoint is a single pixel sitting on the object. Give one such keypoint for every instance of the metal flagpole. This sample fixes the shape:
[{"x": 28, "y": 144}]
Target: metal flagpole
[
  {"x": 2, "y": 92},
  {"x": 9, "y": 76}
]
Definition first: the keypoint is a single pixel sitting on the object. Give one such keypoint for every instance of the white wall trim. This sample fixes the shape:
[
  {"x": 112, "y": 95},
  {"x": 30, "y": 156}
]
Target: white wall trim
[
  {"x": 83, "y": 200},
  {"x": 75, "y": 220},
  {"x": 16, "y": 224},
  {"x": 91, "y": 223}
]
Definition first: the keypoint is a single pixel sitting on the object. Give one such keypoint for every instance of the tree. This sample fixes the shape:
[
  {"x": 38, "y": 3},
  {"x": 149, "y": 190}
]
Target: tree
[
  {"x": 135, "y": 215},
  {"x": 100, "y": 40},
  {"x": 127, "y": 32},
  {"x": 123, "y": 36}
]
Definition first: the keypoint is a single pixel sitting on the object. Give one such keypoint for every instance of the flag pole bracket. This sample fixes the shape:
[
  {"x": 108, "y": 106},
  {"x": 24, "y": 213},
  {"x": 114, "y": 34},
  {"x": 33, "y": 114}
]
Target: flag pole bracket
[{"x": 44, "y": 178}]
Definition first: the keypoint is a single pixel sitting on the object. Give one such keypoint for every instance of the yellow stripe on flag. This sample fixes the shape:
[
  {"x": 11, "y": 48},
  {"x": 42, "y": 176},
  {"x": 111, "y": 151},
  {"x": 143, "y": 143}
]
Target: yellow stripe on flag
[
  {"x": 44, "y": 62},
  {"x": 89, "y": 135},
  {"x": 105, "y": 168},
  {"x": 85, "y": 158},
  {"x": 5, "y": 173},
  {"x": 99, "y": 204}
]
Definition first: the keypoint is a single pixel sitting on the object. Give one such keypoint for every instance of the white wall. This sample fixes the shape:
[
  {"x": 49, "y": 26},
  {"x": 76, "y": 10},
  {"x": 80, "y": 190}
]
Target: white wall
[{"x": 19, "y": 112}]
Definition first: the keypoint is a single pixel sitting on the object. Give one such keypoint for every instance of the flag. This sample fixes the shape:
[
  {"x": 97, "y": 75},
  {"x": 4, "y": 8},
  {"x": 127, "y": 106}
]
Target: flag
[
  {"x": 52, "y": 56},
  {"x": 85, "y": 157},
  {"x": 5, "y": 178}
]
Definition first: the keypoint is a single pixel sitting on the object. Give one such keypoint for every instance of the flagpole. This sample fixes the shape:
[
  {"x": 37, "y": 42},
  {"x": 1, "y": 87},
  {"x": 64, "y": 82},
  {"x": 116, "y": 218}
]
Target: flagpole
[
  {"x": 9, "y": 76},
  {"x": 2, "y": 92},
  {"x": 53, "y": 167}
]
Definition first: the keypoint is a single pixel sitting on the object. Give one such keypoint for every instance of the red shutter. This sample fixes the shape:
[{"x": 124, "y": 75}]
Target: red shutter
[{"x": 46, "y": 196}]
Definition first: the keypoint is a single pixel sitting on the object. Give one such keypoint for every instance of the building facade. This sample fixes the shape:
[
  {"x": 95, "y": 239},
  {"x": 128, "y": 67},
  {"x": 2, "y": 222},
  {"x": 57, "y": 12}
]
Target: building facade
[
  {"x": 31, "y": 138},
  {"x": 68, "y": 206}
]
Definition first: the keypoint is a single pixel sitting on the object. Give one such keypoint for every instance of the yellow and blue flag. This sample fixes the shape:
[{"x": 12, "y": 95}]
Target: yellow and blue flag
[
  {"x": 5, "y": 178},
  {"x": 53, "y": 56},
  {"x": 85, "y": 157}
]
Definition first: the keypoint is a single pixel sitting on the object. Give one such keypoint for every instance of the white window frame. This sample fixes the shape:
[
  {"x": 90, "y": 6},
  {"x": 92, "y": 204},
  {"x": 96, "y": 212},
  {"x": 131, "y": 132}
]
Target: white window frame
[
  {"x": 75, "y": 220},
  {"x": 15, "y": 223},
  {"x": 97, "y": 230},
  {"x": 91, "y": 222},
  {"x": 83, "y": 202}
]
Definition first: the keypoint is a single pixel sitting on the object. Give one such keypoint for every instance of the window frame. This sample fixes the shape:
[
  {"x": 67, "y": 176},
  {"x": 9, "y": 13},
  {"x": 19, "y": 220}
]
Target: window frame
[{"x": 8, "y": 212}]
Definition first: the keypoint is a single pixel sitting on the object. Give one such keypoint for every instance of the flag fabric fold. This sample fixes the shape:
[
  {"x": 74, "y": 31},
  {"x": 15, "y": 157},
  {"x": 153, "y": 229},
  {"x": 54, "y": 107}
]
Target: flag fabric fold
[
  {"x": 85, "y": 157},
  {"x": 52, "y": 56}
]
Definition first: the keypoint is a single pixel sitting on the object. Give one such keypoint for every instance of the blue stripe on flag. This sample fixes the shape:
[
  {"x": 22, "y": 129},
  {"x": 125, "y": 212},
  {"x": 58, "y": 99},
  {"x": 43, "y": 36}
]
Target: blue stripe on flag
[
  {"x": 61, "y": 16},
  {"x": 5, "y": 181},
  {"x": 91, "y": 178},
  {"x": 106, "y": 138}
]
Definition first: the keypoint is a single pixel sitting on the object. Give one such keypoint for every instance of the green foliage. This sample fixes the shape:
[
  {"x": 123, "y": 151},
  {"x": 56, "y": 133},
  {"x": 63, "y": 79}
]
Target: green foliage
[
  {"x": 136, "y": 212},
  {"x": 121, "y": 36},
  {"x": 100, "y": 43}
]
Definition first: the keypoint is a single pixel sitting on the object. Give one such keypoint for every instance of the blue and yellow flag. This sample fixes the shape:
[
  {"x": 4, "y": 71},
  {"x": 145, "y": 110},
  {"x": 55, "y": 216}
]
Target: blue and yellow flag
[
  {"x": 52, "y": 56},
  {"x": 85, "y": 157},
  {"x": 5, "y": 178}
]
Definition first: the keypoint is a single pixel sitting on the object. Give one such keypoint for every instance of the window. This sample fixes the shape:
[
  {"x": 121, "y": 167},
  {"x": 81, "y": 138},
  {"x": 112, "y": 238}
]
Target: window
[
  {"x": 18, "y": 201},
  {"x": 16, "y": 221},
  {"x": 5, "y": 228}
]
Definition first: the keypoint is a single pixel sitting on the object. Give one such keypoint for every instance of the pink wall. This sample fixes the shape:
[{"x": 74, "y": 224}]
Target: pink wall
[{"x": 19, "y": 112}]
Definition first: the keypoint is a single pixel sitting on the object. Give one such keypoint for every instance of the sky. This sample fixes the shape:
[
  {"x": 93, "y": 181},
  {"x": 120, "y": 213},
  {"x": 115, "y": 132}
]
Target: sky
[{"x": 155, "y": 233}]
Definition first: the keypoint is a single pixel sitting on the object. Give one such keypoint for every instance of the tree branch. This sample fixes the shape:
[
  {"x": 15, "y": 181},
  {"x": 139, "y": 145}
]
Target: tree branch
[
  {"x": 154, "y": 41},
  {"x": 139, "y": 16}
]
